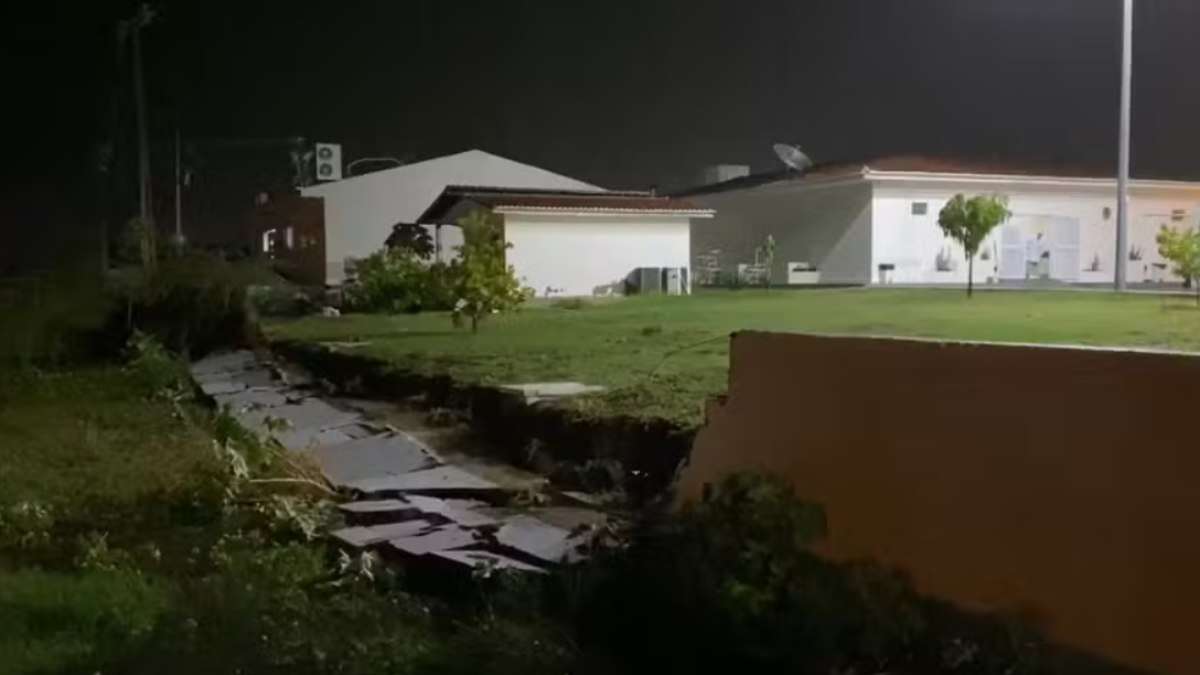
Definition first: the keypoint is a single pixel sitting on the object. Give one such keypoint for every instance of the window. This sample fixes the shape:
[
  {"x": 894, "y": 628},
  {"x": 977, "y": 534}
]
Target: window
[
  {"x": 1179, "y": 215},
  {"x": 920, "y": 208},
  {"x": 268, "y": 241}
]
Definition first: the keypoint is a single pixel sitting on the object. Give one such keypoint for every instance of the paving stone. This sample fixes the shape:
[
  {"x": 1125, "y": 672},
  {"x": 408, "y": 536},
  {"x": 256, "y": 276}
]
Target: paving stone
[
  {"x": 473, "y": 559},
  {"x": 310, "y": 413},
  {"x": 375, "y": 506},
  {"x": 459, "y": 511},
  {"x": 225, "y": 383},
  {"x": 549, "y": 391},
  {"x": 442, "y": 478},
  {"x": 440, "y": 539},
  {"x": 253, "y": 398},
  {"x": 540, "y": 539},
  {"x": 388, "y": 454},
  {"x": 224, "y": 362},
  {"x": 299, "y": 440},
  {"x": 361, "y": 537}
]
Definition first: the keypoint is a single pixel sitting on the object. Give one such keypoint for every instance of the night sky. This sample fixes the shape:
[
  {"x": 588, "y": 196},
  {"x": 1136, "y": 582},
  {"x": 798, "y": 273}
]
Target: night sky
[{"x": 622, "y": 94}]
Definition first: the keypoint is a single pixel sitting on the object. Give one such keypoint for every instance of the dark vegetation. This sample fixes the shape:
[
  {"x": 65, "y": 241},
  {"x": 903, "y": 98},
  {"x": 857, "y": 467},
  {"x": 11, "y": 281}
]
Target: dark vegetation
[
  {"x": 143, "y": 532},
  {"x": 404, "y": 277}
]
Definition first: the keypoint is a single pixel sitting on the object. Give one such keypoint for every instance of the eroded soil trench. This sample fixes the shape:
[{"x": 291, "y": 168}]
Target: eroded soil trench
[{"x": 424, "y": 481}]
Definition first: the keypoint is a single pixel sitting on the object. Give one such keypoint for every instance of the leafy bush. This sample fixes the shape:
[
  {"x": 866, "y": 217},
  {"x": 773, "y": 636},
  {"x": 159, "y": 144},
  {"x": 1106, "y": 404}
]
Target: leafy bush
[
  {"x": 192, "y": 302},
  {"x": 397, "y": 280},
  {"x": 281, "y": 300}
]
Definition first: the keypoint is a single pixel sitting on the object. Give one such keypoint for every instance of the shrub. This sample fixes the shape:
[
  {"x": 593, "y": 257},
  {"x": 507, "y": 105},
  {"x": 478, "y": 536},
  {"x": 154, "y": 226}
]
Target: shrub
[
  {"x": 397, "y": 280},
  {"x": 570, "y": 303},
  {"x": 192, "y": 302},
  {"x": 732, "y": 585}
]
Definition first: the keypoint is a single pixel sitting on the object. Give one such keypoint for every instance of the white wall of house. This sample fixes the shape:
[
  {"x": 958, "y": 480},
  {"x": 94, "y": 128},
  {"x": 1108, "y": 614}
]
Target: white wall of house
[
  {"x": 360, "y": 211},
  {"x": 1069, "y": 214},
  {"x": 584, "y": 254},
  {"x": 826, "y": 225}
]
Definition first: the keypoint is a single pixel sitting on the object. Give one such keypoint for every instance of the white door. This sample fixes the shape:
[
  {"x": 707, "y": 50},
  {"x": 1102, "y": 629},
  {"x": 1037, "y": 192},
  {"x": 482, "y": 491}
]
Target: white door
[
  {"x": 1064, "y": 249},
  {"x": 1012, "y": 253}
]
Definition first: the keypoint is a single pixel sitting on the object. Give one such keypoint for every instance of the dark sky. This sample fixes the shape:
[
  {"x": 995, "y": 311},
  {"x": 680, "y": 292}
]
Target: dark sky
[{"x": 624, "y": 94}]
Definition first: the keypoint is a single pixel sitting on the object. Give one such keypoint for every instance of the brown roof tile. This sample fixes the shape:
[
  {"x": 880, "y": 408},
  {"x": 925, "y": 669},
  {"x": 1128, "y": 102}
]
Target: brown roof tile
[{"x": 561, "y": 200}]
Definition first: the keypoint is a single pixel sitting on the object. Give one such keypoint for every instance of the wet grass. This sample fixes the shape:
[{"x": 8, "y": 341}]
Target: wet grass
[{"x": 662, "y": 357}]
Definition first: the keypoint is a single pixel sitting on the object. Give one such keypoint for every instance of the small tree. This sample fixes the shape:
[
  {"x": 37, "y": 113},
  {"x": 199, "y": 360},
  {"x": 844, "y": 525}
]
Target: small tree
[
  {"x": 969, "y": 221},
  {"x": 413, "y": 238},
  {"x": 765, "y": 256},
  {"x": 1182, "y": 247},
  {"x": 485, "y": 283}
]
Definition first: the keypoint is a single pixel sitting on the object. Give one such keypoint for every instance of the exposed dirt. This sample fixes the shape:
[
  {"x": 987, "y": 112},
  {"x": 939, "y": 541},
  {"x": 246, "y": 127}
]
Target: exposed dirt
[{"x": 600, "y": 455}]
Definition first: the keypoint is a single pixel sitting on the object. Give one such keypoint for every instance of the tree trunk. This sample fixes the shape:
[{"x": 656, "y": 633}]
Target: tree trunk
[
  {"x": 970, "y": 275},
  {"x": 474, "y": 323}
]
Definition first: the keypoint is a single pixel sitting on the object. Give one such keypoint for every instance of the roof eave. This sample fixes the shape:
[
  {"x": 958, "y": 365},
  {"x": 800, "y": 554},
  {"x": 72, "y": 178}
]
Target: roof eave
[
  {"x": 576, "y": 211},
  {"x": 999, "y": 178}
]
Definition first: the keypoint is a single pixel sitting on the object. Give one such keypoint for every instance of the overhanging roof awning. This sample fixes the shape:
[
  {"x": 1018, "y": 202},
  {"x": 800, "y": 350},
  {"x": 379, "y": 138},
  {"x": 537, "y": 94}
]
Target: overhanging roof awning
[{"x": 508, "y": 200}]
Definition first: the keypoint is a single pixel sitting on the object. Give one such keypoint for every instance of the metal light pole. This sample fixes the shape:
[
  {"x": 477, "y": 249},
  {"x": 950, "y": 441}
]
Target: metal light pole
[
  {"x": 178, "y": 189},
  {"x": 133, "y": 27},
  {"x": 1123, "y": 159}
]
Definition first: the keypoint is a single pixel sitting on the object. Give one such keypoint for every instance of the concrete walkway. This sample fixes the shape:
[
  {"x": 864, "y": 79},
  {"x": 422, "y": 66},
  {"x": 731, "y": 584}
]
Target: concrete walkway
[{"x": 401, "y": 495}]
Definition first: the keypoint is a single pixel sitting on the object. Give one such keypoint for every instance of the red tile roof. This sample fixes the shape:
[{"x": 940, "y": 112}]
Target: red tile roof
[
  {"x": 507, "y": 199},
  {"x": 910, "y": 164}
]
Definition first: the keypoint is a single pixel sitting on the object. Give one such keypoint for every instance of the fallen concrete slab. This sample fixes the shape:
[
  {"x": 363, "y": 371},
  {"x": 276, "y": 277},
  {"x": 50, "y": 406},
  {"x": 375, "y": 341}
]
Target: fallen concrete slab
[
  {"x": 475, "y": 559},
  {"x": 310, "y": 413},
  {"x": 224, "y": 362},
  {"x": 247, "y": 399},
  {"x": 462, "y": 512},
  {"x": 549, "y": 391},
  {"x": 363, "y": 536},
  {"x": 440, "y": 479},
  {"x": 540, "y": 539},
  {"x": 441, "y": 539},
  {"x": 388, "y": 454},
  {"x": 375, "y": 506},
  {"x": 300, "y": 440}
]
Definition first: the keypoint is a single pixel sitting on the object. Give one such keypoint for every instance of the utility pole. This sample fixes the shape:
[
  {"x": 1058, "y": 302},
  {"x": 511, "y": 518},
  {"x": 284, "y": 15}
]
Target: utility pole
[
  {"x": 179, "y": 240},
  {"x": 133, "y": 27},
  {"x": 1123, "y": 159}
]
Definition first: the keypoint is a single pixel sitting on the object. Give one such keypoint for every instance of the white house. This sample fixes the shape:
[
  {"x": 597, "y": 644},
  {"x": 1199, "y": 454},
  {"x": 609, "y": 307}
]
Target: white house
[
  {"x": 361, "y": 211},
  {"x": 876, "y": 222},
  {"x": 575, "y": 243}
]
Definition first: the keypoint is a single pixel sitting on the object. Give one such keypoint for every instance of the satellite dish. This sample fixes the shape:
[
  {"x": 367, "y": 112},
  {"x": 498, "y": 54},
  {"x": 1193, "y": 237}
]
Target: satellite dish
[{"x": 793, "y": 156}]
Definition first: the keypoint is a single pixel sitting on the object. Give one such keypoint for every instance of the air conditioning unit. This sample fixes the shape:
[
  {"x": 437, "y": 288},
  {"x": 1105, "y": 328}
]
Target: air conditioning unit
[
  {"x": 329, "y": 161},
  {"x": 645, "y": 280},
  {"x": 675, "y": 280}
]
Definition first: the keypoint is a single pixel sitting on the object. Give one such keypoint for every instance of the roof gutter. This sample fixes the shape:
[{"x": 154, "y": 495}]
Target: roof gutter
[
  {"x": 1008, "y": 179},
  {"x": 584, "y": 212}
]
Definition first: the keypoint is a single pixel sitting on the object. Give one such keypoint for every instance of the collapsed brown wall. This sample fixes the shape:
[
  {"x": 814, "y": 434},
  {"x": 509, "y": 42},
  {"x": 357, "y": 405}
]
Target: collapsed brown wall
[{"x": 1054, "y": 481}]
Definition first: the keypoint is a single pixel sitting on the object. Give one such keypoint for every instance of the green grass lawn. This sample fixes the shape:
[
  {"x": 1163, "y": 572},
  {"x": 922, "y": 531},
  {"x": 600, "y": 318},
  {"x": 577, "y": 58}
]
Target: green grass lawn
[{"x": 662, "y": 356}]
